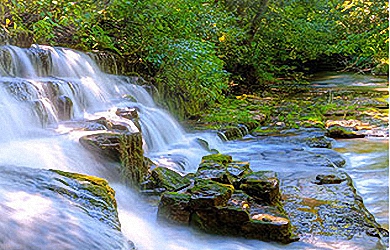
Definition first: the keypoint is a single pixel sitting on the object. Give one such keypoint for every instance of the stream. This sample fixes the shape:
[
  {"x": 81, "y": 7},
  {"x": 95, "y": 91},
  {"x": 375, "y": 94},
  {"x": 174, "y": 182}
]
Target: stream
[{"x": 35, "y": 136}]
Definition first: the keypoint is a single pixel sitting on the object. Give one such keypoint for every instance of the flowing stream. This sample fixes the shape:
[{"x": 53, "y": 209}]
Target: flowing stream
[{"x": 37, "y": 133}]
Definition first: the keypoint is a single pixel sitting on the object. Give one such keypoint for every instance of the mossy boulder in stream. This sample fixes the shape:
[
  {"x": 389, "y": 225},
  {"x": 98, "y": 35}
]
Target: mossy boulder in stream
[
  {"x": 227, "y": 198},
  {"x": 94, "y": 194},
  {"x": 162, "y": 179},
  {"x": 338, "y": 132},
  {"x": 122, "y": 147},
  {"x": 53, "y": 209},
  {"x": 262, "y": 185}
]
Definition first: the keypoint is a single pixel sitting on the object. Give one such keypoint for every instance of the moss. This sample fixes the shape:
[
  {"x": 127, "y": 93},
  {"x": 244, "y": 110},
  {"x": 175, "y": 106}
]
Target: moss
[
  {"x": 93, "y": 184},
  {"x": 217, "y": 158}
]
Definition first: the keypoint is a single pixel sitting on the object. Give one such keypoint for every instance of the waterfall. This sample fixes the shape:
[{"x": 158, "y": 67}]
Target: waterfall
[
  {"x": 44, "y": 92},
  {"x": 43, "y": 86}
]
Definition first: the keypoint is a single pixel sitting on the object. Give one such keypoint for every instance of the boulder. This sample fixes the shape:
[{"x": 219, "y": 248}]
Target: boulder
[
  {"x": 162, "y": 179},
  {"x": 106, "y": 144},
  {"x": 227, "y": 198},
  {"x": 338, "y": 132},
  {"x": 49, "y": 209},
  {"x": 263, "y": 186},
  {"x": 125, "y": 148}
]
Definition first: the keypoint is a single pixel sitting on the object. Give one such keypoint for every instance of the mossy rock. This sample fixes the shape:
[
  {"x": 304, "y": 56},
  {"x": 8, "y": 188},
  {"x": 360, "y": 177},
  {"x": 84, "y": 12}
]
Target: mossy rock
[
  {"x": 207, "y": 193},
  {"x": 215, "y": 172},
  {"x": 217, "y": 158},
  {"x": 163, "y": 179},
  {"x": 262, "y": 185},
  {"x": 319, "y": 142},
  {"x": 221, "y": 169},
  {"x": 175, "y": 207},
  {"x": 338, "y": 132},
  {"x": 93, "y": 193}
]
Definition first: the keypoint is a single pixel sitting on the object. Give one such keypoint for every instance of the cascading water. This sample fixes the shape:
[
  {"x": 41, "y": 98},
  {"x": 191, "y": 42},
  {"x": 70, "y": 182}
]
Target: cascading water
[{"x": 43, "y": 90}]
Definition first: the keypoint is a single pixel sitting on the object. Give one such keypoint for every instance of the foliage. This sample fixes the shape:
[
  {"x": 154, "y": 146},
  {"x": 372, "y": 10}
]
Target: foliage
[{"x": 198, "y": 51}]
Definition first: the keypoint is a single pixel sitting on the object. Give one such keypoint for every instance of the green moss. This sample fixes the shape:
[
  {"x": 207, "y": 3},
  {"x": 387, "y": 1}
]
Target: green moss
[
  {"x": 93, "y": 184},
  {"x": 217, "y": 158}
]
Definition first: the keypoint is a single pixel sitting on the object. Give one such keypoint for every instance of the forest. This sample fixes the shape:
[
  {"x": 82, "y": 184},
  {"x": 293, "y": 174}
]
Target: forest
[{"x": 202, "y": 51}]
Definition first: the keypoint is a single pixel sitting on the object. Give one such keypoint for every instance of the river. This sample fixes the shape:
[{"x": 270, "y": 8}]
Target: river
[{"x": 42, "y": 140}]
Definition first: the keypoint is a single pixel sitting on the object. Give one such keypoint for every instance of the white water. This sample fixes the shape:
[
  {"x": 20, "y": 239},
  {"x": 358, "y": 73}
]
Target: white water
[{"x": 28, "y": 140}]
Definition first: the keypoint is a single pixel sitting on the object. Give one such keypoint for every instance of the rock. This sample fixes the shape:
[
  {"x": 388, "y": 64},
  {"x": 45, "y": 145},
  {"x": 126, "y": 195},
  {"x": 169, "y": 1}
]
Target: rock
[
  {"x": 130, "y": 114},
  {"x": 91, "y": 191},
  {"x": 329, "y": 179},
  {"x": 268, "y": 223},
  {"x": 217, "y": 158},
  {"x": 47, "y": 208},
  {"x": 215, "y": 172},
  {"x": 262, "y": 185},
  {"x": 227, "y": 198},
  {"x": 106, "y": 144},
  {"x": 318, "y": 142},
  {"x": 125, "y": 148},
  {"x": 325, "y": 207},
  {"x": 64, "y": 108},
  {"x": 163, "y": 179},
  {"x": 174, "y": 207},
  {"x": 238, "y": 131},
  {"x": 338, "y": 132},
  {"x": 207, "y": 193}
]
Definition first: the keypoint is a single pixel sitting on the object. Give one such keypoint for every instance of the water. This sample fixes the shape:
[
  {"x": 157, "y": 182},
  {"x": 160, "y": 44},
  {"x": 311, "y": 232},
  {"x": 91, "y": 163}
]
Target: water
[{"x": 37, "y": 135}]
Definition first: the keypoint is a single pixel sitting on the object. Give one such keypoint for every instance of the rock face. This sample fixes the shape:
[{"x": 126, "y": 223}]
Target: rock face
[
  {"x": 324, "y": 206},
  {"x": 227, "y": 198},
  {"x": 46, "y": 209}
]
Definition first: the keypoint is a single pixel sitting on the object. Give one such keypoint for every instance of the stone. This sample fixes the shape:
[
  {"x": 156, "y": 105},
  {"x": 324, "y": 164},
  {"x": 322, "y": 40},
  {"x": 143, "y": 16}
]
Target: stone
[
  {"x": 130, "y": 114},
  {"x": 175, "y": 207},
  {"x": 106, "y": 144},
  {"x": 163, "y": 179},
  {"x": 262, "y": 185},
  {"x": 329, "y": 179},
  {"x": 215, "y": 172},
  {"x": 60, "y": 205},
  {"x": 207, "y": 193},
  {"x": 64, "y": 107},
  {"x": 326, "y": 207},
  {"x": 217, "y": 158},
  {"x": 268, "y": 223},
  {"x": 338, "y": 132}
]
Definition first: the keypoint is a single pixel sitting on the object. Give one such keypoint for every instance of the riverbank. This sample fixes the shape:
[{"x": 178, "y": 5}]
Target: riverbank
[{"x": 355, "y": 102}]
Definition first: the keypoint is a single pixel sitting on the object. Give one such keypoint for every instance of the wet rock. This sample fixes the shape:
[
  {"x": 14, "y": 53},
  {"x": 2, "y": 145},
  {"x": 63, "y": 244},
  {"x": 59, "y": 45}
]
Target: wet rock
[
  {"x": 237, "y": 132},
  {"x": 64, "y": 107},
  {"x": 325, "y": 207},
  {"x": 249, "y": 208},
  {"x": 125, "y": 148},
  {"x": 318, "y": 142},
  {"x": 163, "y": 179},
  {"x": 59, "y": 205},
  {"x": 174, "y": 207},
  {"x": 225, "y": 220},
  {"x": 207, "y": 193},
  {"x": 329, "y": 179},
  {"x": 106, "y": 144},
  {"x": 262, "y": 185},
  {"x": 130, "y": 114},
  {"x": 217, "y": 158},
  {"x": 338, "y": 132},
  {"x": 93, "y": 193},
  {"x": 268, "y": 223}
]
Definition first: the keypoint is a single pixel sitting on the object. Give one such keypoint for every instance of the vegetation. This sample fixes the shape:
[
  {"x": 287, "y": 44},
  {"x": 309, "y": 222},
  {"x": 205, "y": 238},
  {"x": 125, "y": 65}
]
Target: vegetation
[{"x": 199, "y": 51}]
